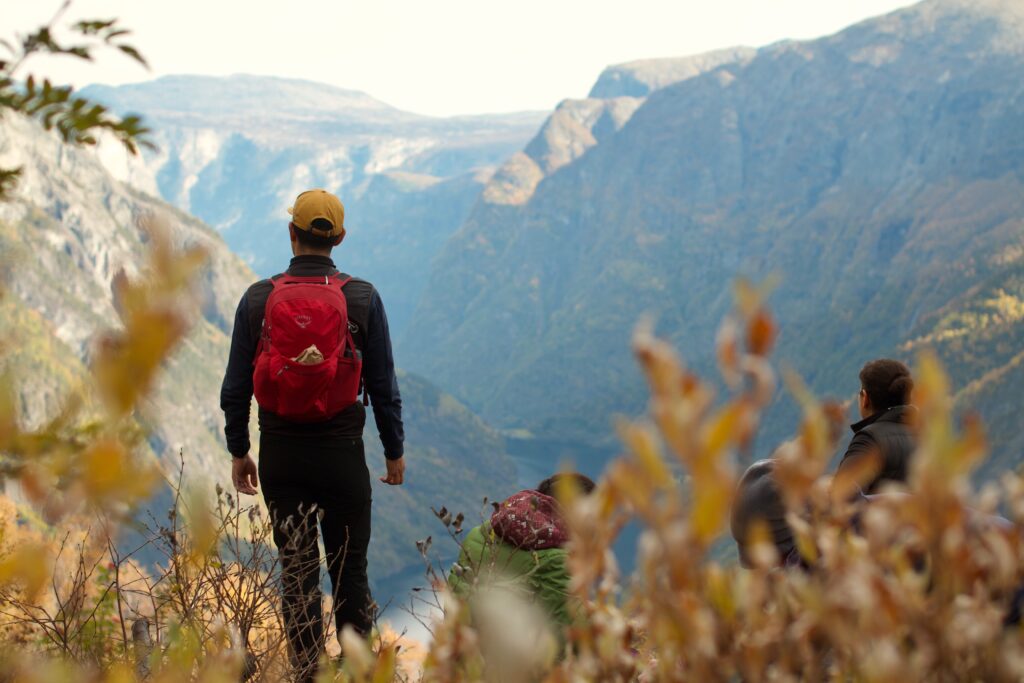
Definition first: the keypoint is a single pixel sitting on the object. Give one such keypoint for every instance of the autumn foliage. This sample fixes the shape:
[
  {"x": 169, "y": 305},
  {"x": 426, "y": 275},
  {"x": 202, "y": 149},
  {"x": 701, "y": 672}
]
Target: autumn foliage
[{"x": 918, "y": 592}]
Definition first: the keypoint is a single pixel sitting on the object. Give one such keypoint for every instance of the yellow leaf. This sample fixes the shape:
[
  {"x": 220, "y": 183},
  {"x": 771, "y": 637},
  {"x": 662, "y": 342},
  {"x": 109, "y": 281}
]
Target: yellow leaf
[
  {"x": 719, "y": 591},
  {"x": 723, "y": 430},
  {"x": 105, "y": 468},
  {"x": 644, "y": 446},
  {"x": 358, "y": 658},
  {"x": 28, "y": 564},
  {"x": 384, "y": 672},
  {"x": 804, "y": 536},
  {"x": 761, "y": 547},
  {"x": 202, "y": 526},
  {"x": 710, "y": 506}
]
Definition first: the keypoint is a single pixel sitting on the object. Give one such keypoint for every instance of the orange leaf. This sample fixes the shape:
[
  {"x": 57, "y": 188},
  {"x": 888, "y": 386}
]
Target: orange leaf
[{"x": 760, "y": 333}]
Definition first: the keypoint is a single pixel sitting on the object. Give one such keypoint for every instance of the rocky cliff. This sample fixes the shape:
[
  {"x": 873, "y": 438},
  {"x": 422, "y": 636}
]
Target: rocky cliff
[
  {"x": 71, "y": 227},
  {"x": 235, "y": 151},
  {"x": 67, "y": 232},
  {"x": 879, "y": 171}
]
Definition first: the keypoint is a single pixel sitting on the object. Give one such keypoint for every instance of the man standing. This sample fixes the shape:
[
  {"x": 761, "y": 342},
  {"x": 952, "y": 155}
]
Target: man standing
[{"x": 307, "y": 351}]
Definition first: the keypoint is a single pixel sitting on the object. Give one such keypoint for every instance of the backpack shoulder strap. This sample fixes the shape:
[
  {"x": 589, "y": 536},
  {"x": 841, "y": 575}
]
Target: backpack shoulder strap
[
  {"x": 261, "y": 345},
  {"x": 355, "y": 291},
  {"x": 261, "y": 332}
]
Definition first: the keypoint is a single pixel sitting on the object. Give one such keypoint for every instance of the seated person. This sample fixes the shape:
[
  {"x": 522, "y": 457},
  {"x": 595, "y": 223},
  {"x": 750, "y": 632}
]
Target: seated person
[
  {"x": 523, "y": 544},
  {"x": 758, "y": 499},
  {"x": 884, "y": 440}
]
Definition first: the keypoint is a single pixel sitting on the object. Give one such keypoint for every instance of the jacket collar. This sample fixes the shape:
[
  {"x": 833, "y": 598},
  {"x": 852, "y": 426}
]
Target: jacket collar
[
  {"x": 311, "y": 259},
  {"x": 311, "y": 264},
  {"x": 895, "y": 414}
]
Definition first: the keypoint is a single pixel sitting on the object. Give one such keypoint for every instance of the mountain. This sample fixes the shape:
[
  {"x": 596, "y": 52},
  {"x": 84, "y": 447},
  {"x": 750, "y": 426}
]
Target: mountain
[
  {"x": 981, "y": 334},
  {"x": 67, "y": 232},
  {"x": 71, "y": 226},
  {"x": 879, "y": 171},
  {"x": 642, "y": 77},
  {"x": 454, "y": 461},
  {"x": 235, "y": 151}
]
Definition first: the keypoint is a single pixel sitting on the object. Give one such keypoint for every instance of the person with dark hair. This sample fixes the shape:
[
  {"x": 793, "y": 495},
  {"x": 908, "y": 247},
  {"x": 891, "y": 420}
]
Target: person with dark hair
[
  {"x": 758, "y": 500},
  {"x": 884, "y": 440},
  {"x": 551, "y": 485},
  {"x": 307, "y": 342},
  {"x": 523, "y": 543}
]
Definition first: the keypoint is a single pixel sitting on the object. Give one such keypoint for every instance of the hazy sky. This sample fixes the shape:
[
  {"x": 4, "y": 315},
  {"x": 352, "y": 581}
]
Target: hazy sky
[{"x": 434, "y": 57}]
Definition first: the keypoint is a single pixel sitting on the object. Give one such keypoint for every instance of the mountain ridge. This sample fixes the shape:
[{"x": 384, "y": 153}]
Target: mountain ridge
[
  {"x": 208, "y": 92},
  {"x": 896, "y": 140},
  {"x": 65, "y": 234},
  {"x": 239, "y": 170},
  {"x": 641, "y": 77}
]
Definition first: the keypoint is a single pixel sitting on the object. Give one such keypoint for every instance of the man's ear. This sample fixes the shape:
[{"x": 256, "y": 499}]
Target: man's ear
[
  {"x": 291, "y": 232},
  {"x": 338, "y": 239},
  {"x": 864, "y": 401}
]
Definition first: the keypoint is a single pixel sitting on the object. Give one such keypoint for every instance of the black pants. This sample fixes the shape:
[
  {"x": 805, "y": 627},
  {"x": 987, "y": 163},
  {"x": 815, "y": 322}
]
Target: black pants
[{"x": 310, "y": 481}]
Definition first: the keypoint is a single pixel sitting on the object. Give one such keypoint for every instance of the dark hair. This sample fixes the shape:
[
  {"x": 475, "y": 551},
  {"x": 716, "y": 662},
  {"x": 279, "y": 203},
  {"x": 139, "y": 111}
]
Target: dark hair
[
  {"x": 887, "y": 383},
  {"x": 549, "y": 487},
  {"x": 308, "y": 239}
]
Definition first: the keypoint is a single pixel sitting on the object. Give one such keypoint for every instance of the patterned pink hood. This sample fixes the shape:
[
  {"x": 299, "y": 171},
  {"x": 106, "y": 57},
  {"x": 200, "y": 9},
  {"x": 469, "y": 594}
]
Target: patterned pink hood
[{"x": 531, "y": 521}]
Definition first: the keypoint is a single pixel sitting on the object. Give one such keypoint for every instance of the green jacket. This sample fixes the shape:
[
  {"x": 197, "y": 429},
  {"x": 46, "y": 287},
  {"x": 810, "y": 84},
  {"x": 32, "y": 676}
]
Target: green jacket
[{"x": 539, "y": 574}]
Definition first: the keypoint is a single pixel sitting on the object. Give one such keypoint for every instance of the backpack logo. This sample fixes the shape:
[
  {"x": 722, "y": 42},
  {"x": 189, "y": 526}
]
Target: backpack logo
[{"x": 303, "y": 320}]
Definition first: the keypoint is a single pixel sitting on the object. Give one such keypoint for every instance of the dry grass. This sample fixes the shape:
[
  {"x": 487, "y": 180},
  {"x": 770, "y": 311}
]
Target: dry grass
[{"x": 919, "y": 594}]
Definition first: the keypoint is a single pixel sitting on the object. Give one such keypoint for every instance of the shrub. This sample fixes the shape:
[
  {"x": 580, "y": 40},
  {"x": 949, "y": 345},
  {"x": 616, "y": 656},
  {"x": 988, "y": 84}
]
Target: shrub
[{"x": 920, "y": 592}]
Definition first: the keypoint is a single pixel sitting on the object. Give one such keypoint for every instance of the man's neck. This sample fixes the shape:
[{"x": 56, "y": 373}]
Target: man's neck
[{"x": 301, "y": 250}]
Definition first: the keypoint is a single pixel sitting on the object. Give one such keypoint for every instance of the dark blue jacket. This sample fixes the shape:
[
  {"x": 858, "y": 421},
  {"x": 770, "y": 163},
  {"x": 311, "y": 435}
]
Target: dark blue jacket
[
  {"x": 889, "y": 439},
  {"x": 366, "y": 311}
]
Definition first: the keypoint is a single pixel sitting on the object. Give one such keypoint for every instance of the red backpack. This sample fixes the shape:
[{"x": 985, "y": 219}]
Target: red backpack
[{"x": 289, "y": 378}]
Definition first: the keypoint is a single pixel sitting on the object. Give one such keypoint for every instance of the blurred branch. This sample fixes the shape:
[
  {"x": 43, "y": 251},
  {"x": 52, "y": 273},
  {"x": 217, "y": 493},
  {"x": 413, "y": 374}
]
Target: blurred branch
[{"x": 77, "y": 119}]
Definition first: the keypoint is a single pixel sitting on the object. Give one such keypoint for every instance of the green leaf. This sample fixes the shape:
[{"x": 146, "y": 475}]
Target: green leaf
[
  {"x": 134, "y": 54},
  {"x": 93, "y": 27}
]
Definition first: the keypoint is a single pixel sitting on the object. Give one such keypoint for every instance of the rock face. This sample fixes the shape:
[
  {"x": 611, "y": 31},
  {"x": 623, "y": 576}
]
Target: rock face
[
  {"x": 879, "y": 171},
  {"x": 642, "y": 77},
  {"x": 63, "y": 237},
  {"x": 69, "y": 230},
  {"x": 235, "y": 151}
]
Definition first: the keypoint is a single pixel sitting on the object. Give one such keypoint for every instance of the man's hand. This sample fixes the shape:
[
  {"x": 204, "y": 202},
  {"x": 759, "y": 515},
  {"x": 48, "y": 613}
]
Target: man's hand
[
  {"x": 243, "y": 475},
  {"x": 396, "y": 472}
]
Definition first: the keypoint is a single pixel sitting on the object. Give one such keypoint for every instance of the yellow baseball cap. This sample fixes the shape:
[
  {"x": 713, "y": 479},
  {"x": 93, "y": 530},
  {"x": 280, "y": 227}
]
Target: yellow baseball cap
[{"x": 314, "y": 204}]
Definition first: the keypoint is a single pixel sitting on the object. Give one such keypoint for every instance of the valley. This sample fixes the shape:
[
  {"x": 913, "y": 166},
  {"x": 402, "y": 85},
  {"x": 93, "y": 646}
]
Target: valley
[{"x": 877, "y": 173}]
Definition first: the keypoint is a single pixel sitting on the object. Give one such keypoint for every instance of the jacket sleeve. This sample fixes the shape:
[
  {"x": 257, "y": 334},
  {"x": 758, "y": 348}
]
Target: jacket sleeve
[
  {"x": 236, "y": 390},
  {"x": 551, "y": 581},
  {"x": 861, "y": 460},
  {"x": 381, "y": 383}
]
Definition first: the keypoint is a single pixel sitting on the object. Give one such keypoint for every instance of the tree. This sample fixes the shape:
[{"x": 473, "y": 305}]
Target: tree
[{"x": 77, "y": 119}]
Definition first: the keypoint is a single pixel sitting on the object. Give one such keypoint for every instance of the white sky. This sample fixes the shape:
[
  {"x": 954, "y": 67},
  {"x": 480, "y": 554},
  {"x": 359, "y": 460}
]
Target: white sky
[{"x": 436, "y": 57}]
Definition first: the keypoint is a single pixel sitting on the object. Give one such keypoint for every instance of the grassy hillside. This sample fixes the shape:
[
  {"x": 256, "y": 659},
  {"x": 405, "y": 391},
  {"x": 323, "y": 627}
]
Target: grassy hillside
[{"x": 980, "y": 335}]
